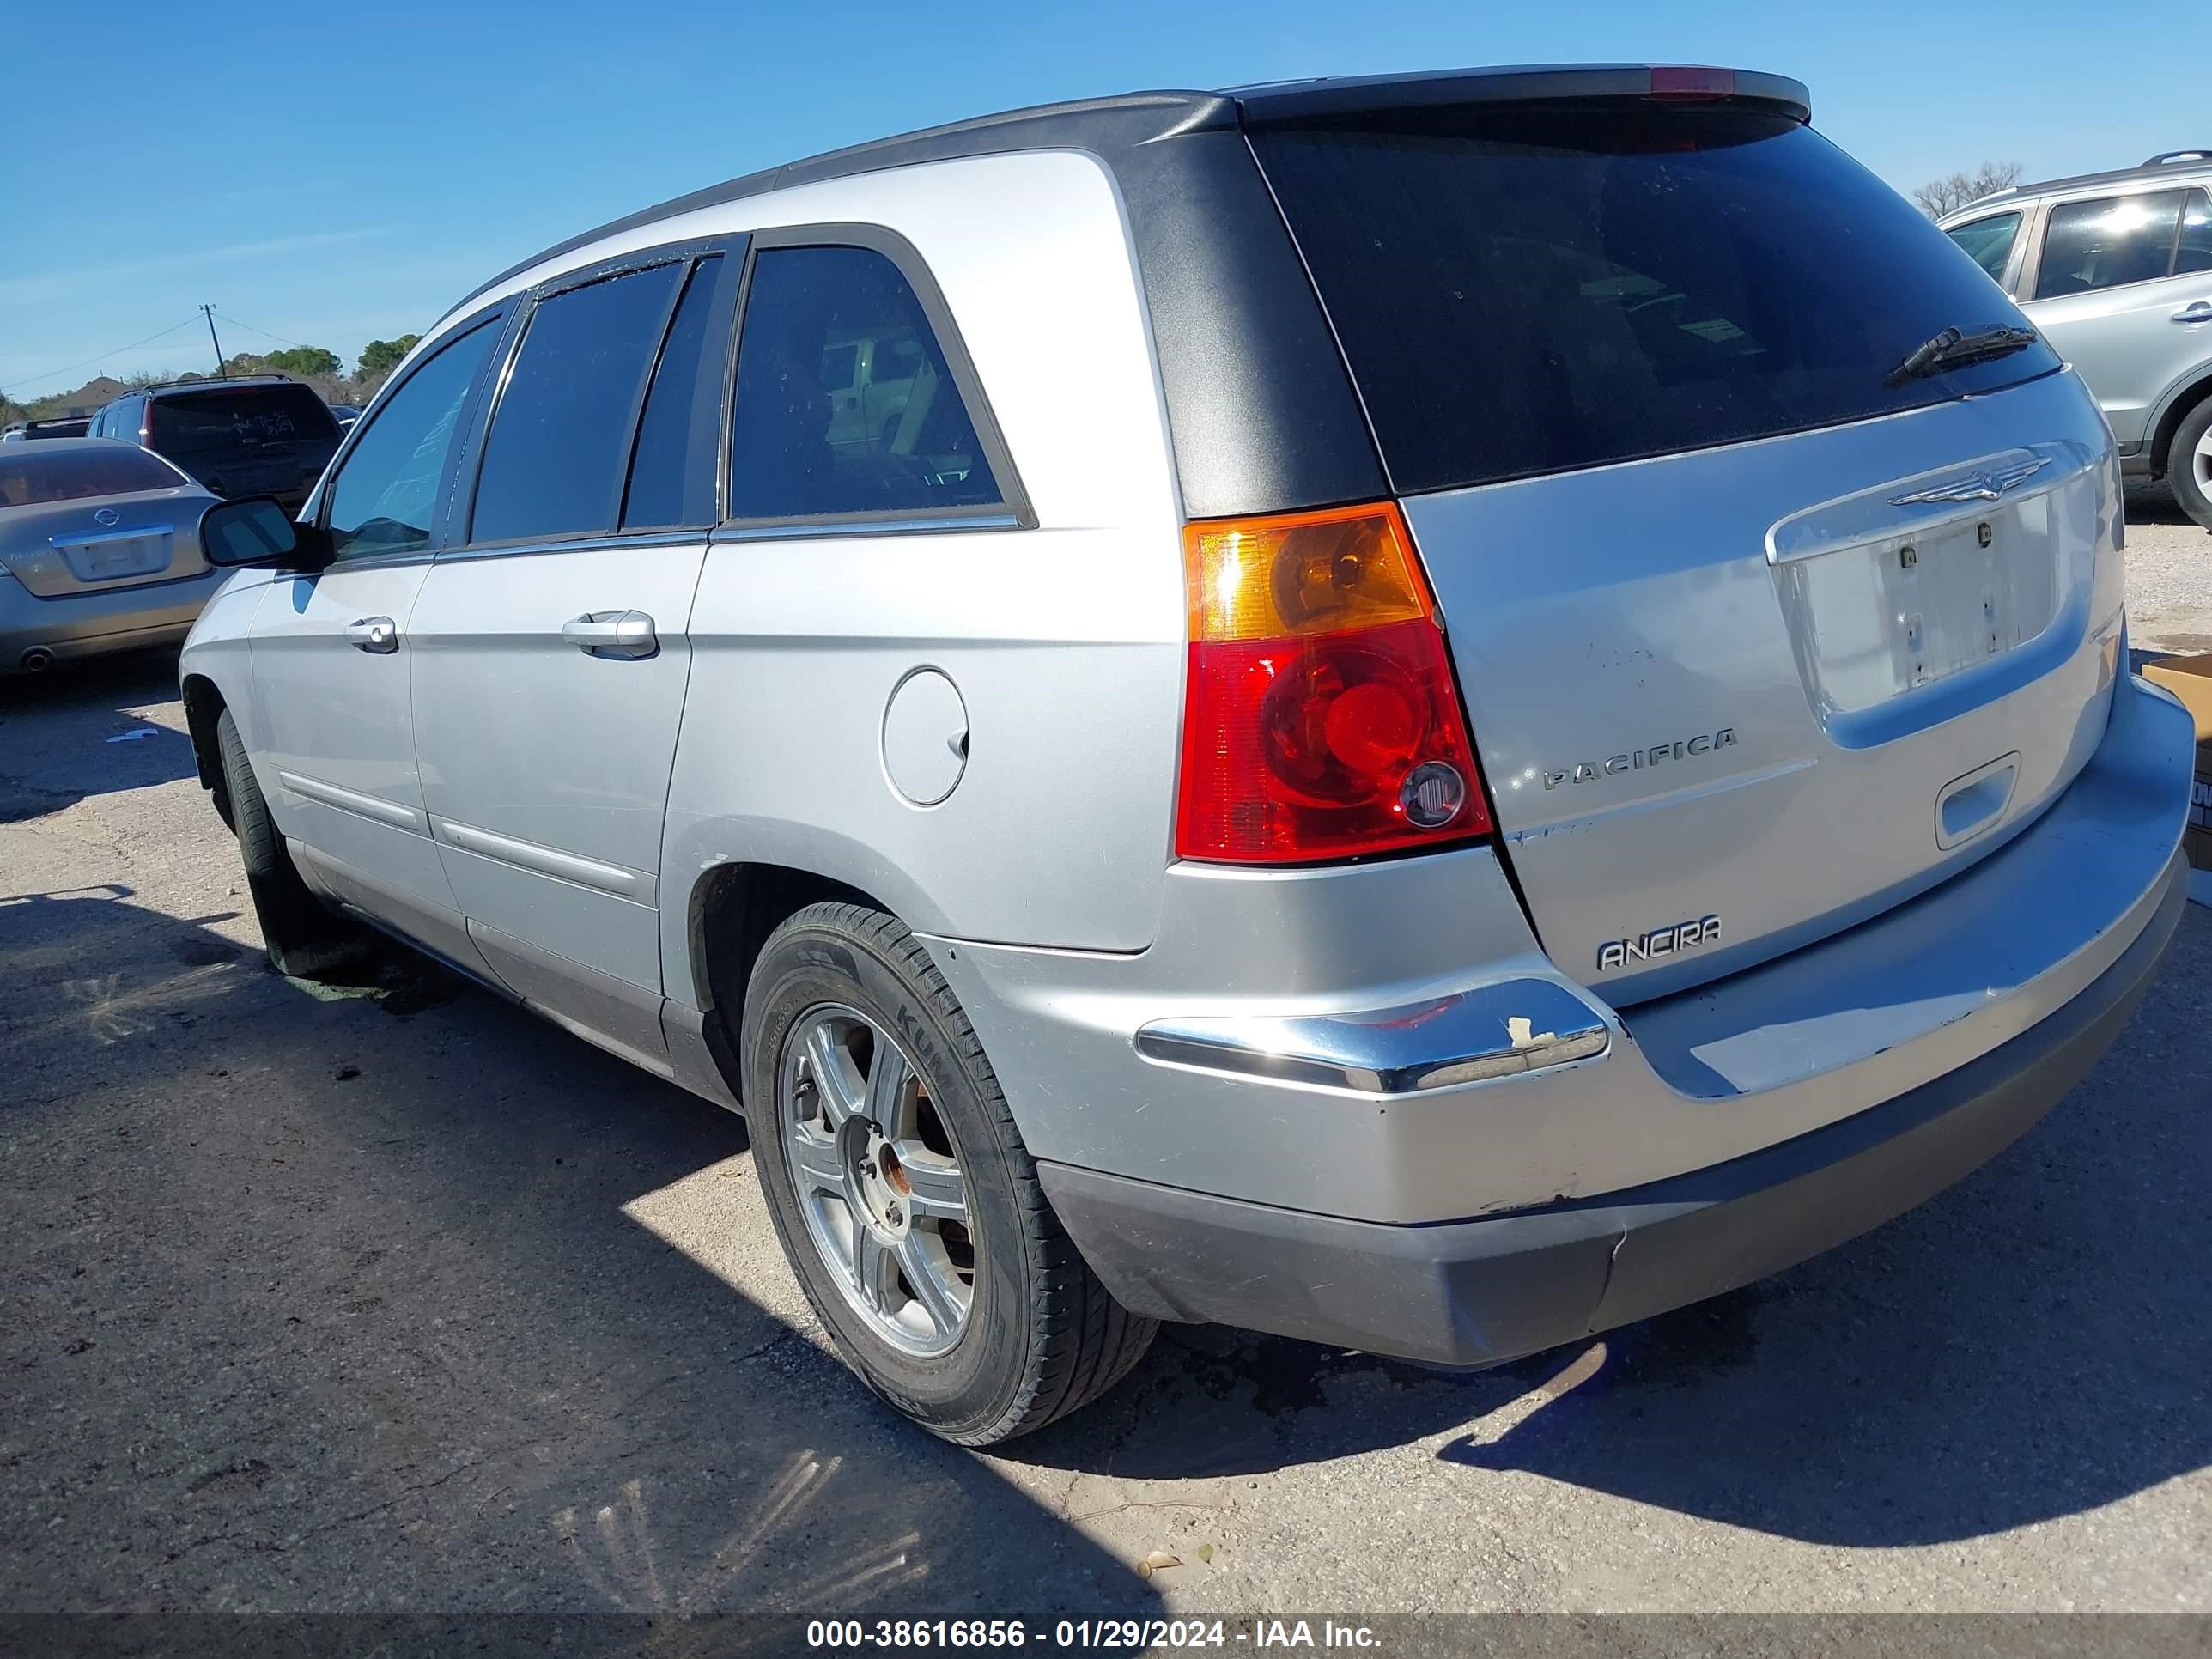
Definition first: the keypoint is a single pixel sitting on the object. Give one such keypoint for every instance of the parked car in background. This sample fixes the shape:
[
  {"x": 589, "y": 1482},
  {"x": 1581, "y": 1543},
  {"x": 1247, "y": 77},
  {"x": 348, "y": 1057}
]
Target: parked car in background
[
  {"x": 99, "y": 551},
  {"x": 2115, "y": 269},
  {"x": 262, "y": 436},
  {"x": 72, "y": 425},
  {"x": 1534, "y": 724},
  {"x": 344, "y": 414}
]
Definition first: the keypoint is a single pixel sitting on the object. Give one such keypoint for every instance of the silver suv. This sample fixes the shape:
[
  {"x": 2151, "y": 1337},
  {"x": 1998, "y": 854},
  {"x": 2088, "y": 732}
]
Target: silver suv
[
  {"x": 2115, "y": 269},
  {"x": 1446, "y": 711}
]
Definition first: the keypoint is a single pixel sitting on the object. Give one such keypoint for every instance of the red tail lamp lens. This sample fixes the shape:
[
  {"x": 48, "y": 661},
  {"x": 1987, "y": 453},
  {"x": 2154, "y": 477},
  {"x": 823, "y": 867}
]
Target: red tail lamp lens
[{"x": 1318, "y": 687}]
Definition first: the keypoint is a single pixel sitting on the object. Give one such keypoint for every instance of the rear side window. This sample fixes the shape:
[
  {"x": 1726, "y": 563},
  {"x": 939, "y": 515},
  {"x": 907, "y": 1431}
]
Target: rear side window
[
  {"x": 1988, "y": 242},
  {"x": 2194, "y": 252},
  {"x": 559, "y": 448},
  {"x": 671, "y": 478},
  {"x": 30, "y": 478},
  {"x": 386, "y": 494},
  {"x": 241, "y": 421},
  {"x": 2108, "y": 243},
  {"x": 1529, "y": 288},
  {"x": 810, "y": 435}
]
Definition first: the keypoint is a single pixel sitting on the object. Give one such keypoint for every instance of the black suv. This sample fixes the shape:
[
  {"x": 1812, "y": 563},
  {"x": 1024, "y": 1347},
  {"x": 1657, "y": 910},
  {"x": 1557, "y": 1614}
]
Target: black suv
[{"x": 264, "y": 436}]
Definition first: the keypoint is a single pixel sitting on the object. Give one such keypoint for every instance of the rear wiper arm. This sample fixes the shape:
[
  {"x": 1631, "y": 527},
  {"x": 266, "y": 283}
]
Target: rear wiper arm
[{"x": 1952, "y": 349}]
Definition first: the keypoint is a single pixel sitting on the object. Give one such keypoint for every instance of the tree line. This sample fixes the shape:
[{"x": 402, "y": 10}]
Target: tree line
[{"x": 319, "y": 367}]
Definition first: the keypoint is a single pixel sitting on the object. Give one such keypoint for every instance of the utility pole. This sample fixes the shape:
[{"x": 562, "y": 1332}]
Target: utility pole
[{"x": 208, "y": 313}]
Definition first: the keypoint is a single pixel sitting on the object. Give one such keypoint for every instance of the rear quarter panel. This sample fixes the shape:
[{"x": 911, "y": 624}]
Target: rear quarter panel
[{"x": 1065, "y": 641}]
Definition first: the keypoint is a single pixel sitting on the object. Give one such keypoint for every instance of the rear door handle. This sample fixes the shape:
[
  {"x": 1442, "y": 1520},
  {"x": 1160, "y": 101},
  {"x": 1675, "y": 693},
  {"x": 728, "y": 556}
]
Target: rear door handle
[
  {"x": 378, "y": 635},
  {"x": 2199, "y": 311},
  {"x": 622, "y": 634}
]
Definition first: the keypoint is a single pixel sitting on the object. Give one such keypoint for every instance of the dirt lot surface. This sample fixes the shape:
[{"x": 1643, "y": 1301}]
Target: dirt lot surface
[{"x": 397, "y": 1298}]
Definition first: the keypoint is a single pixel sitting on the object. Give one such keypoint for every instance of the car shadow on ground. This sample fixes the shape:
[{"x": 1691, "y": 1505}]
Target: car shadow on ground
[
  {"x": 392, "y": 1296},
  {"x": 2030, "y": 1344},
  {"x": 50, "y": 722},
  {"x": 359, "y": 1298}
]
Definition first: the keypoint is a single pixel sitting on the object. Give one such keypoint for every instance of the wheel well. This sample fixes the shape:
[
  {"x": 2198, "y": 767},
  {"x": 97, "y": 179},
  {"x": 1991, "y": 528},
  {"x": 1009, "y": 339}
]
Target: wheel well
[
  {"x": 2176, "y": 412},
  {"x": 204, "y": 706},
  {"x": 734, "y": 908}
]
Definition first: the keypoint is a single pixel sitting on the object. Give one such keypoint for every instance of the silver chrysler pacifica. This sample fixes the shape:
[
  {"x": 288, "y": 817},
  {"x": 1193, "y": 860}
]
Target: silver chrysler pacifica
[{"x": 1431, "y": 712}]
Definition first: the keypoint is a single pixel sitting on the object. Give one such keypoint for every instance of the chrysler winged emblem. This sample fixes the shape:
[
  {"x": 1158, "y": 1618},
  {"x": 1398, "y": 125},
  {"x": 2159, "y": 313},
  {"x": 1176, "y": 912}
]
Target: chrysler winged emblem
[{"x": 1986, "y": 485}]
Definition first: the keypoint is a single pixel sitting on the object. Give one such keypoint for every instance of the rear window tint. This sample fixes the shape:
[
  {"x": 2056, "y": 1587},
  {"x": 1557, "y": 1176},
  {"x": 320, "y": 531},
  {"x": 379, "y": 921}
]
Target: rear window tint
[
  {"x": 810, "y": 435},
  {"x": 560, "y": 441},
  {"x": 1526, "y": 289},
  {"x": 29, "y": 478},
  {"x": 671, "y": 476},
  {"x": 241, "y": 420}
]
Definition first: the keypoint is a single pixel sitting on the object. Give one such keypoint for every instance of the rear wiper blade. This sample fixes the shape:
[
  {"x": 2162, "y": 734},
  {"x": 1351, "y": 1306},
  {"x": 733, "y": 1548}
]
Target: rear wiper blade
[{"x": 1953, "y": 350}]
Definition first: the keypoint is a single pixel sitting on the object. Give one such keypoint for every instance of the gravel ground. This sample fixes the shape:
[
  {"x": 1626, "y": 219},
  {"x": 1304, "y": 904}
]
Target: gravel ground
[
  {"x": 2169, "y": 576},
  {"x": 394, "y": 1298}
]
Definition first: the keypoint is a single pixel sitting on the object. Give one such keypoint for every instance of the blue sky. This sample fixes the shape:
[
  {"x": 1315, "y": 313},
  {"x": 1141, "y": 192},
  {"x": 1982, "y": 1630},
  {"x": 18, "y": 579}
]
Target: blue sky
[{"x": 355, "y": 167}]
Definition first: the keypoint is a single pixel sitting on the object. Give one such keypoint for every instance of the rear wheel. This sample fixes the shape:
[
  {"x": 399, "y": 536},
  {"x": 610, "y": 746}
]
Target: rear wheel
[
  {"x": 903, "y": 1194},
  {"x": 2189, "y": 464},
  {"x": 305, "y": 940}
]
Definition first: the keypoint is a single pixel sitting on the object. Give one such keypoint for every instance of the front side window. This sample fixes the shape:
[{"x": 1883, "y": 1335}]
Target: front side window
[
  {"x": 1988, "y": 242},
  {"x": 559, "y": 448},
  {"x": 2108, "y": 243},
  {"x": 386, "y": 494},
  {"x": 845, "y": 402}
]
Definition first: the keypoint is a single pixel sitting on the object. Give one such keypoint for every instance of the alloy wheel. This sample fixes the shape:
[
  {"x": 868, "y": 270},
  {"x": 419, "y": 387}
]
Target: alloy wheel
[{"x": 879, "y": 1179}]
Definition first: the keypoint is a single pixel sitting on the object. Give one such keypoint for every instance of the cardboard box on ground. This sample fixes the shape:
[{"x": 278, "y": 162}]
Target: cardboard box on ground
[{"x": 2189, "y": 679}]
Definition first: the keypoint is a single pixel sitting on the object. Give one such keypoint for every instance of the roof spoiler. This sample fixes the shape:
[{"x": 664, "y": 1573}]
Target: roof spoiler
[{"x": 1290, "y": 101}]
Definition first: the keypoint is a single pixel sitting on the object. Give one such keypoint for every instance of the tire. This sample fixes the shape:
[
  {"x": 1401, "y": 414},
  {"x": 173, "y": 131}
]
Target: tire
[
  {"x": 2188, "y": 472},
  {"x": 305, "y": 940},
  {"x": 1038, "y": 1337}
]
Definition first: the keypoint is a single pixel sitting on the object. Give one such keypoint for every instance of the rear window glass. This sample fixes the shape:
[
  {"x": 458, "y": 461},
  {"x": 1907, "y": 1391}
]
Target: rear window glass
[
  {"x": 559, "y": 440},
  {"x": 1529, "y": 287},
  {"x": 811, "y": 434},
  {"x": 241, "y": 419},
  {"x": 29, "y": 478}
]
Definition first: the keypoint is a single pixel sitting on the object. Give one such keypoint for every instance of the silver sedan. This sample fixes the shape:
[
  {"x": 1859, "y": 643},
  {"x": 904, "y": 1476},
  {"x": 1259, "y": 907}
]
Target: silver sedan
[{"x": 100, "y": 550}]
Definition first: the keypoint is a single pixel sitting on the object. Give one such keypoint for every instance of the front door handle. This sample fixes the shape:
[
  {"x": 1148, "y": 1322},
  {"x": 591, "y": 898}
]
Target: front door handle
[
  {"x": 378, "y": 635},
  {"x": 623, "y": 634},
  {"x": 2199, "y": 311}
]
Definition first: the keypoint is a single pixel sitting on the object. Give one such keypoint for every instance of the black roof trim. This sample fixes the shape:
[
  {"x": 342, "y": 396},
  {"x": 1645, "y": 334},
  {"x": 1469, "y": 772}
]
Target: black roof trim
[
  {"x": 1111, "y": 124},
  {"x": 1305, "y": 100}
]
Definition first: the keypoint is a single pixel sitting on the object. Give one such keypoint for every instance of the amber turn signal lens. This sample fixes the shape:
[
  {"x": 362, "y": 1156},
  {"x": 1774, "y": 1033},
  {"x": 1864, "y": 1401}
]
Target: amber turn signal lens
[
  {"x": 1320, "y": 719},
  {"x": 1300, "y": 574}
]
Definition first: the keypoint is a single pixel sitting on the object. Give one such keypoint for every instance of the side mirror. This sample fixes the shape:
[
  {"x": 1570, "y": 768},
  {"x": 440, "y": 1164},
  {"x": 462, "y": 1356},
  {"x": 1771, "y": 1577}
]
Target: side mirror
[{"x": 255, "y": 530}]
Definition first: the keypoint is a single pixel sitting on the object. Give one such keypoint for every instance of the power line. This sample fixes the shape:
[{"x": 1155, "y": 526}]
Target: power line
[
  {"x": 279, "y": 338},
  {"x": 48, "y": 374}
]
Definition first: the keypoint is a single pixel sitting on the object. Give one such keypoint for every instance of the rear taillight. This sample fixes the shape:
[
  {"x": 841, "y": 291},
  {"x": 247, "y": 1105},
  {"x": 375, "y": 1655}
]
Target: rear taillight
[{"x": 1320, "y": 721}]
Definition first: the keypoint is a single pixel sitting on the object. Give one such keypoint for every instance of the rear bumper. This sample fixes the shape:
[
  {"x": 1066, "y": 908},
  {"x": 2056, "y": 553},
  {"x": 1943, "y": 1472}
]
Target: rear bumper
[
  {"x": 1482, "y": 1292},
  {"x": 98, "y": 619}
]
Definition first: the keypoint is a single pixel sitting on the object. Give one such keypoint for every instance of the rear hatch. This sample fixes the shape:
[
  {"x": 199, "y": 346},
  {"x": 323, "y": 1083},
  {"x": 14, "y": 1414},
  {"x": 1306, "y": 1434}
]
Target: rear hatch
[
  {"x": 272, "y": 438},
  {"x": 84, "y": 517},
  {"x": 1758, "y": 636}
]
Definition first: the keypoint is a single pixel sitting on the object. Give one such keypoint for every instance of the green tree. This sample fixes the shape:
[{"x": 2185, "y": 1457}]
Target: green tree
[
  {"x": 303, "y": 359},
  {"x": 380, "y": 357}
]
